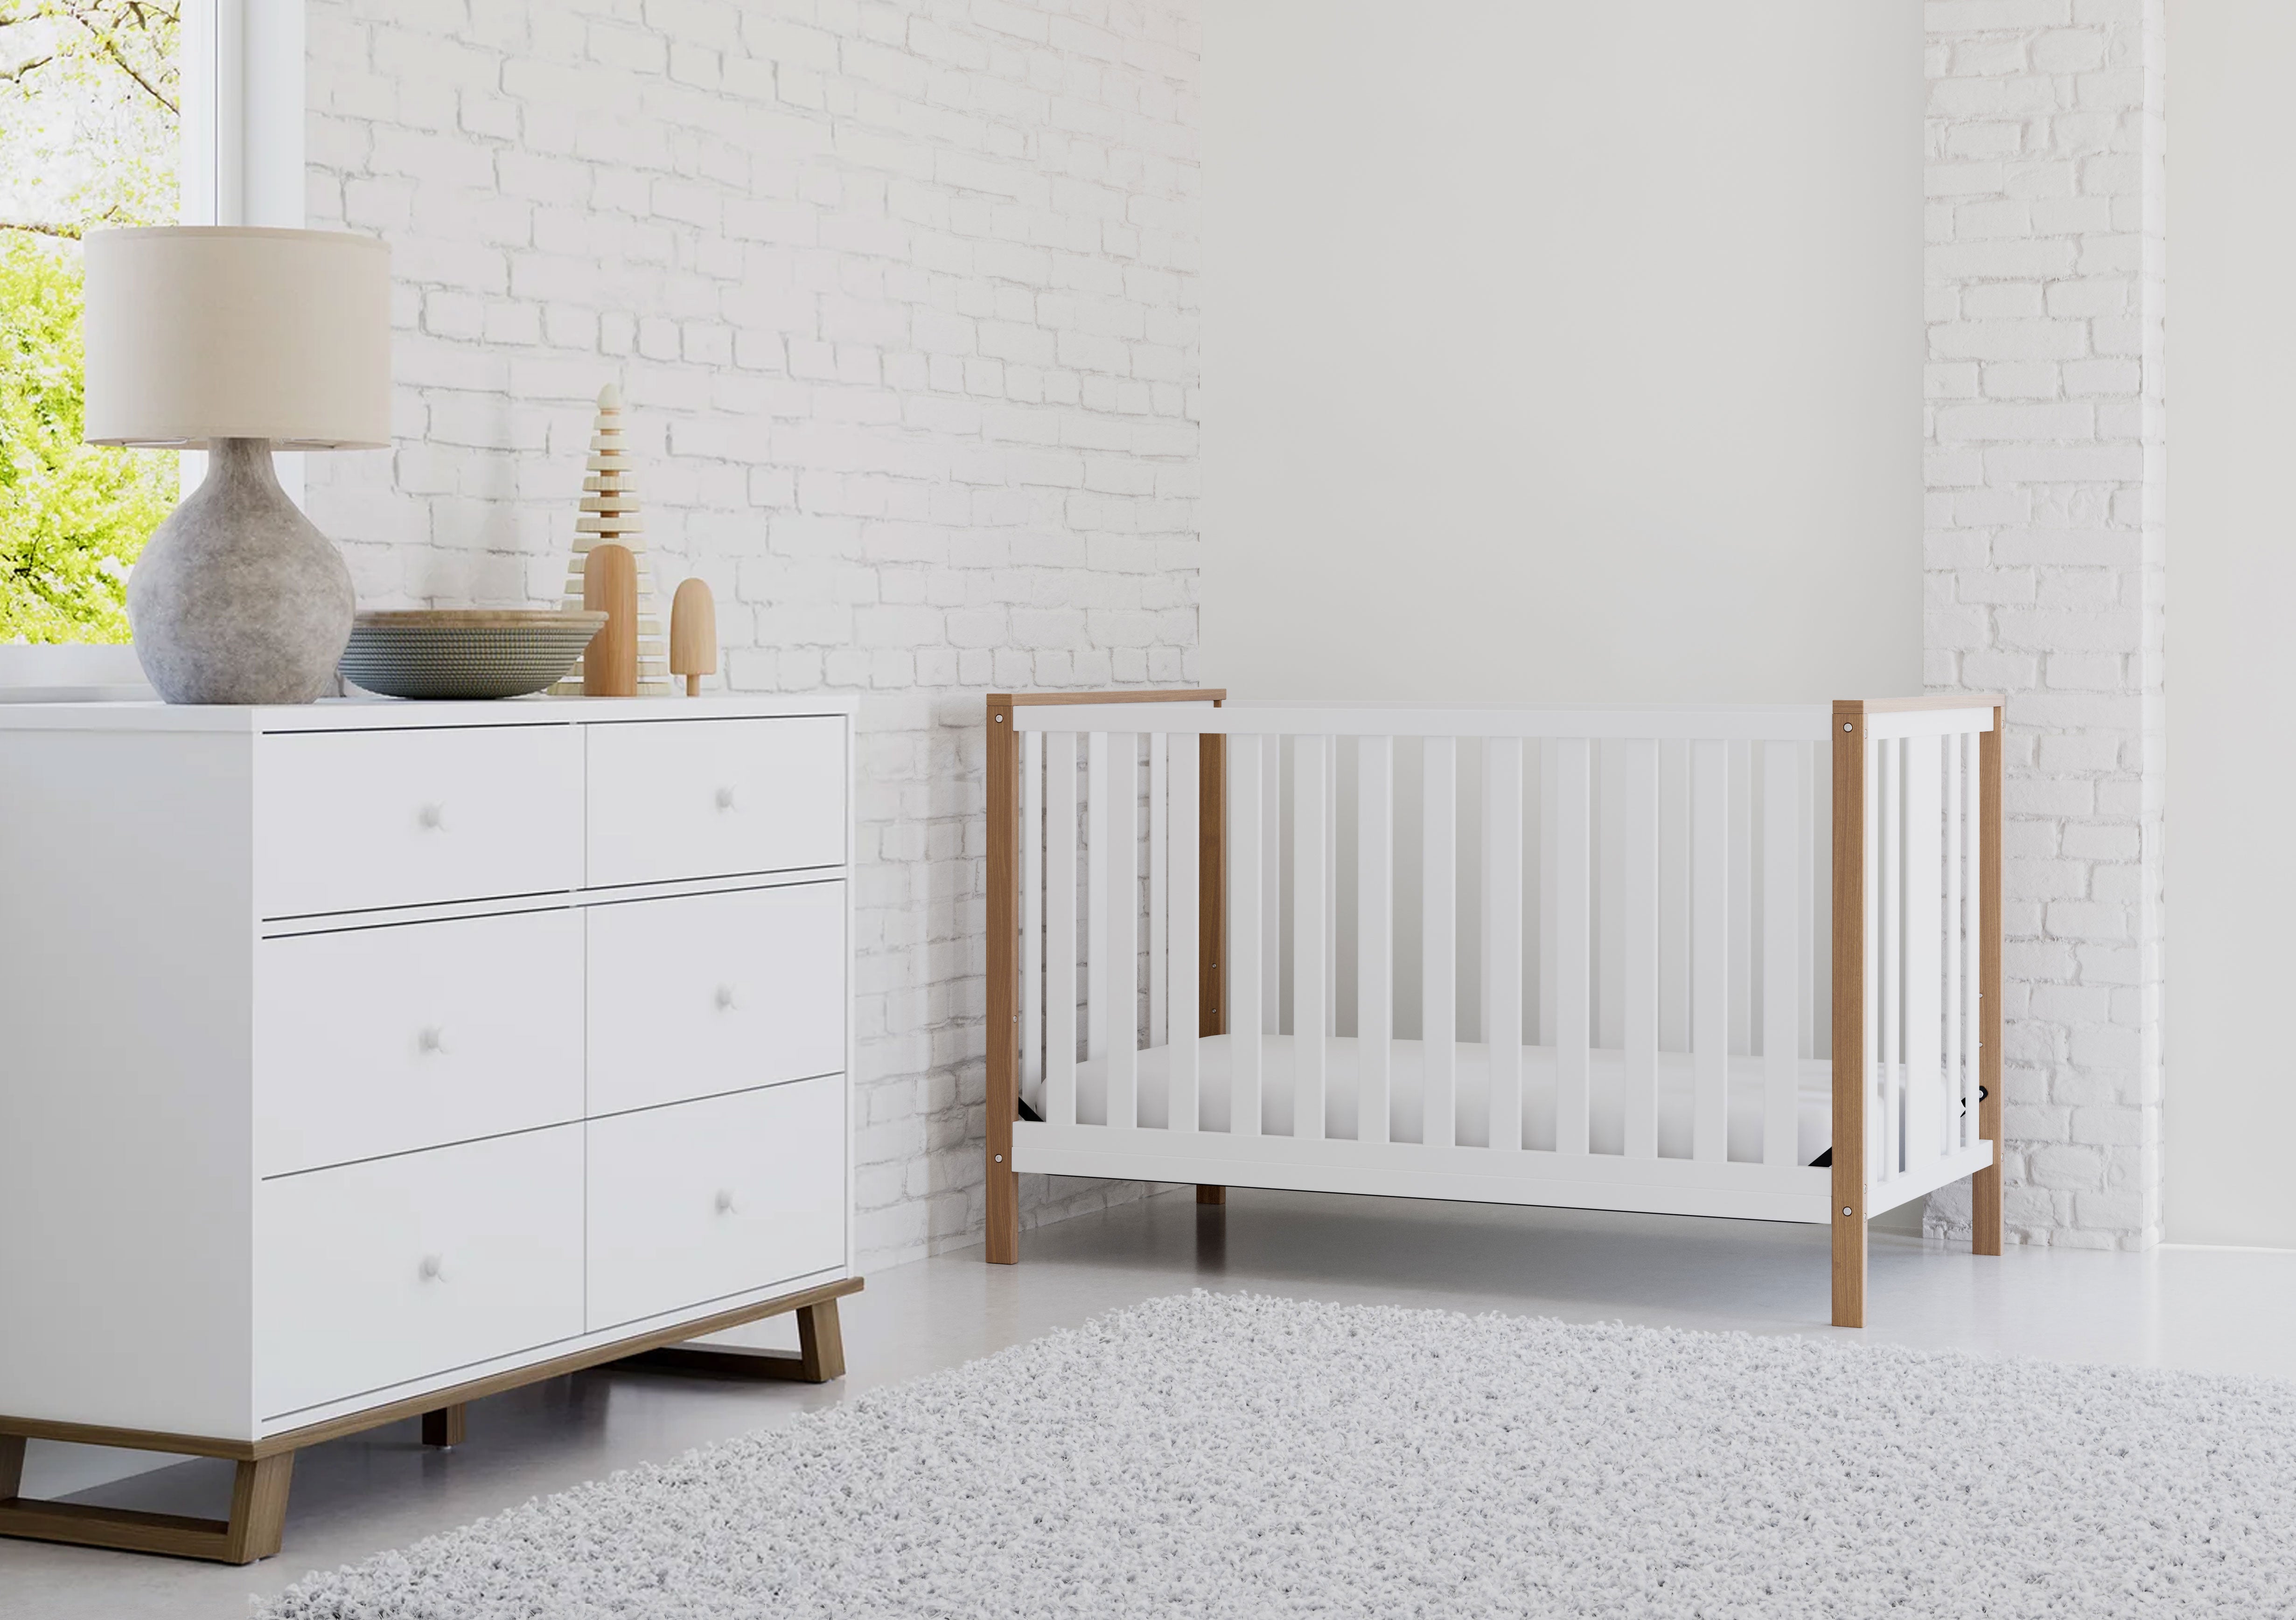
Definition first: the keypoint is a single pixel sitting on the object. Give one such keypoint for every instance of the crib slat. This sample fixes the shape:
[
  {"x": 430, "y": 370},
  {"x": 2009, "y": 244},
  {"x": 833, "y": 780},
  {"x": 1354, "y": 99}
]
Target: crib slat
[
  {"x": 1160, "y": 872},
  {"x": 1118, "y": 979},
  {"x": 1782, "y": 940},
  {"x": 1674, "y": 895},
  {"x": 1639, "y": 827},
  {"x": 1743, "y": 769},
  {"x": 1924, "y": 1112},
  {"x": 1331, "y": 885},
  {"x": 1438, "y": 943},
  {"x": 1060, "y": 964},
  {"x": 1893, "y": 954},
  {"x": 1609, "y": 949},
  {"x": 1972, "y": 923},
  {"x": 1310, "y": 929},
  {"x": 1247, "y": 779},
  {"x": 1375, "y": 933},
  {"x": 1950, "y": 979},
  {"x": 1096, "y": 796},
  {"x": 1271, "y": 883},
  {"x": 1503, "y": 935},
  {"x": 1875, "y": 1053},
  {"x": 1573, "y": 942},
  {"x": 1814, "y": 952},
  {"x": 1181, "y": 827},
  {"x": 1709, "y": 949},
  {"x": 1548, "y": 779},
  {"x": 1032, "y": 917}
]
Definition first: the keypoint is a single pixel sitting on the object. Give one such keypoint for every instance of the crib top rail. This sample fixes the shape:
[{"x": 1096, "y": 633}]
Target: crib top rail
[{"x": 1192, "y": 714}]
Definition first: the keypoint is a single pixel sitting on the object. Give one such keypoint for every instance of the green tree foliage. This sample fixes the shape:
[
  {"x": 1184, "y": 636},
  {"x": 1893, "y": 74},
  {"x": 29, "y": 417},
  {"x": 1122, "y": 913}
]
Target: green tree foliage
[
  {"x": 72, "y": 515},
  {"x": 90, "y": 111}
]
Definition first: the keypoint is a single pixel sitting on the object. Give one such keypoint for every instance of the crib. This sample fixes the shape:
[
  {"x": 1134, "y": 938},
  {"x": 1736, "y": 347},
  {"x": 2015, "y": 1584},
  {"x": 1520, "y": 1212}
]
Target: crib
[{"x": 1696, "y": 960}]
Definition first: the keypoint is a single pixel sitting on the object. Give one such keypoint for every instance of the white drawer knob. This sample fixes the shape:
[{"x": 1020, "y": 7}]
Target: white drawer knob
[
  {"x": 433, "y": 1040},
  {"x": 724, "y": 1201},
  {"x": 726, "y": 999},
  {"x": 434, "y": 1269},
  {"x": 434, "y": 816},
  {"x": 724, "y": 798}
]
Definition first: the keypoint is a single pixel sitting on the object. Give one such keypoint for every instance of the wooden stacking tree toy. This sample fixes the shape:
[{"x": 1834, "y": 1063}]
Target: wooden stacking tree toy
[{"x": 610, "y": 513}]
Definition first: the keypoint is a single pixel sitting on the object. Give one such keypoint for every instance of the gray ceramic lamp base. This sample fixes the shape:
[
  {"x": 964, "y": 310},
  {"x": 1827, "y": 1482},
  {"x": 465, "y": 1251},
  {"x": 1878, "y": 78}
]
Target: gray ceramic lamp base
[{"x": 238, "y": 598}]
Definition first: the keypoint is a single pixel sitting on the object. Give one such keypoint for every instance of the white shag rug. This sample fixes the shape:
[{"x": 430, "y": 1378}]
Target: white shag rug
[{"x": 1239, "y": 1455}]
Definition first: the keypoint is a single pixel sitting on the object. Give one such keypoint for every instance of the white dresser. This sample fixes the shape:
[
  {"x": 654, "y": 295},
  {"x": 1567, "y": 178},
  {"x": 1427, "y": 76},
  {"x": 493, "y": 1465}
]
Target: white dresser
[{"x": 363, "y": 1058}]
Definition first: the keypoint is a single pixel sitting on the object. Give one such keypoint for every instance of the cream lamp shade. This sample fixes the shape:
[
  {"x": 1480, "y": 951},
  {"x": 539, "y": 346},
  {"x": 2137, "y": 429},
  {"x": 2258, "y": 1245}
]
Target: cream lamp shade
[{"x": 200, "y": 333}]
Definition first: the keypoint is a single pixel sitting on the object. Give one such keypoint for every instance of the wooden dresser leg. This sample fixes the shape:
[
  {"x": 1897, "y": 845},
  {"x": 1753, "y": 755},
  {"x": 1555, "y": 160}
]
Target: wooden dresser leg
[
  {"x": 446, "y": 1427},
  {"x": 259, "y": 1509},
  {"x": 1211, "y": 1195},
  {"x": 258, "y": 1516},
  {"x": 820, "y": 1343}
]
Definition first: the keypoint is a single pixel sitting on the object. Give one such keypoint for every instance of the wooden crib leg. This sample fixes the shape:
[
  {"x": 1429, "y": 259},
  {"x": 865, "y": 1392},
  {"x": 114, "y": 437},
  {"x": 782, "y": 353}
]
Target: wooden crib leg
[
  {"x": 1849, "y": 1269},
  {"x": 1847, "y": 1215},
  {"x": 1984, "y": 1186},
  {"x": 1211, "y": 1195},
  {"x": 1004, "y": 981}
]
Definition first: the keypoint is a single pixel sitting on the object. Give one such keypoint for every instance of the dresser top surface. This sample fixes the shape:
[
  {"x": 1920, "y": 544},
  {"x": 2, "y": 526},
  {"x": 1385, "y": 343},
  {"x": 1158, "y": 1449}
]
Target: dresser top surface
[{"x": 394, "y": 714}]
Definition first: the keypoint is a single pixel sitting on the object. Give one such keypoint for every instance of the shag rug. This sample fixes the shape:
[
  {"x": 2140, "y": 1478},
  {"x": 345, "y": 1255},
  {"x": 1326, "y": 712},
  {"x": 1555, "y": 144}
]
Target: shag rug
[{"x": 1238, "y": 1455}]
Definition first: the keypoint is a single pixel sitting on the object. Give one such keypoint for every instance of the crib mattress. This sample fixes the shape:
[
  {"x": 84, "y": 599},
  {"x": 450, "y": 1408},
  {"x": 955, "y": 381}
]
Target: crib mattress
[{"x": 1606, "y": 1102}]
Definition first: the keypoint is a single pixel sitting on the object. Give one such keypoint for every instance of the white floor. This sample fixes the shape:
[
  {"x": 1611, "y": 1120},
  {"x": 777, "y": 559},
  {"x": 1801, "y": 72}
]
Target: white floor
[{"x": 2216, "y": 1311}]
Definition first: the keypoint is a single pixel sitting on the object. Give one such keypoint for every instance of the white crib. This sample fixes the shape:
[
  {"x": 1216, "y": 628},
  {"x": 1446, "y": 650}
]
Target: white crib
[{"x": 1600, "y": 957}]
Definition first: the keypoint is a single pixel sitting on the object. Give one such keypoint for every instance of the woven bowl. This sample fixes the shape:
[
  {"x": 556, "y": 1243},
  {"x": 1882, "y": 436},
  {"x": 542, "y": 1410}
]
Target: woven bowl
[{"x": 466, "y": 653}]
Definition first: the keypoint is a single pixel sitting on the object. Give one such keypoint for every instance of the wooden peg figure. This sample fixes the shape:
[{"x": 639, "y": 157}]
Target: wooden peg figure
[
  {"x": 610, "y": 586},
  {"x": 692, "y": 634}
]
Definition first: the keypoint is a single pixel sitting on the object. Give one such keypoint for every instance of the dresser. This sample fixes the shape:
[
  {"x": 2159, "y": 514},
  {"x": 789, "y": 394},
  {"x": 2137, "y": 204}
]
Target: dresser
[{"x": 365, "y": 1057}]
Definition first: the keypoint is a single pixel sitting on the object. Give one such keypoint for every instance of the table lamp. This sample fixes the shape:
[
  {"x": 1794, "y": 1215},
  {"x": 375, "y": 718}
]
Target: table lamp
[{"x": 238, "y": 339}]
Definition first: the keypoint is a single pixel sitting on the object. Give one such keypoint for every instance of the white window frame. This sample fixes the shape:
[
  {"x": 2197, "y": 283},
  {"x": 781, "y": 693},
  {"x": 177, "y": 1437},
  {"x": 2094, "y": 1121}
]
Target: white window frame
[
  {"x": 243, "y": 121},
  {"x": 242, "y": 163}
]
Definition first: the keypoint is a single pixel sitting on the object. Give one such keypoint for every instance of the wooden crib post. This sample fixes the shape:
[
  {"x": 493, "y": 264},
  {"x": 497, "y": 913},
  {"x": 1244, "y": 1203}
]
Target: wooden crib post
[
  {"x": 1849, "y": 967},
  {"x": 1211, "y": 900},
  {"x": 1004, "y": 978},
  {"x": 1984, "y": 1186}
]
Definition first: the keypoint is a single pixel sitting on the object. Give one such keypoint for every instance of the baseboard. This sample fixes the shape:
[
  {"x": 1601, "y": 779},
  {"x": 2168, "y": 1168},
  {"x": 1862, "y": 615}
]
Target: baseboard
[{"x": 1902, "y": 1221}]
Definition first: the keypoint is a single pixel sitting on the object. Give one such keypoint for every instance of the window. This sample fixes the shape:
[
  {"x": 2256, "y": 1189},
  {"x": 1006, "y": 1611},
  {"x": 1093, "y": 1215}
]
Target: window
[
  {"x": 114, "y": 112},
  {"x": 91, "y": 96}
]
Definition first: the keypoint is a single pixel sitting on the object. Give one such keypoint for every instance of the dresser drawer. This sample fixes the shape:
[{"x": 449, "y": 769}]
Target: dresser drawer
[
  {"x": 703, "y": 1200},
  {"x": 705, "y": 799},
  {"x": 715, "y": 993},
  {"x": 377, "y": 1040},
  {"x": 351, "y": 821},
  {"x": 373, "y": 1274}
]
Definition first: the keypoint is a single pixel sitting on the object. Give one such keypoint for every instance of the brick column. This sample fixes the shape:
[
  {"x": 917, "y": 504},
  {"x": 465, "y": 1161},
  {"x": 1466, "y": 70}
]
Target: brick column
[{"x": 2043, "y": 563}]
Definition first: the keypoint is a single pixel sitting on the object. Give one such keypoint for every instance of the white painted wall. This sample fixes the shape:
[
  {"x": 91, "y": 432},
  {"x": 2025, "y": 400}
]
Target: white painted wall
[
  {"x": 1557, "y": 350},
  {"x": 2231, "y": 1094},
  {"x": 1561, "y": 351}
]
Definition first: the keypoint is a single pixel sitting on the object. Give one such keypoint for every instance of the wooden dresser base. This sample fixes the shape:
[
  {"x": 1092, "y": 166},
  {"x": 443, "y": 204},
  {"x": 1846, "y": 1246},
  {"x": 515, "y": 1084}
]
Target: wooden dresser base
[{"x": 259, "y": 1495}]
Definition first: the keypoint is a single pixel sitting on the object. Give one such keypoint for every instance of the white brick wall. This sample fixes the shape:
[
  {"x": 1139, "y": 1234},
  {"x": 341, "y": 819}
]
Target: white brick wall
[
  {"x": 903, "y": 297},
  {"x": 2046, "y": 501}
]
